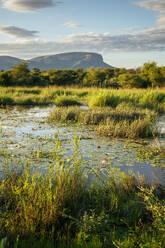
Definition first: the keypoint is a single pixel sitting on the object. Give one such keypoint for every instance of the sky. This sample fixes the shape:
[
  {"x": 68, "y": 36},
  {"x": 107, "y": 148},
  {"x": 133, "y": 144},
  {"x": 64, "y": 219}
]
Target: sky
[{"x": 127, "y": 33}]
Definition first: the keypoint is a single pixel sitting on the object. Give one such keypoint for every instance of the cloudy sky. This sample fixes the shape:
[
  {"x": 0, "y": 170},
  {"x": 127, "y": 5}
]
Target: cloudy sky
[{"x": 126, "y": 32}]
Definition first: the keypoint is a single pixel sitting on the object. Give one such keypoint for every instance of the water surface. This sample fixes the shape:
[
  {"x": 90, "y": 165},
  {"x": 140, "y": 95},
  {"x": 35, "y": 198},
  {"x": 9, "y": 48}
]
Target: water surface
[{"x": 24, "y": 131}]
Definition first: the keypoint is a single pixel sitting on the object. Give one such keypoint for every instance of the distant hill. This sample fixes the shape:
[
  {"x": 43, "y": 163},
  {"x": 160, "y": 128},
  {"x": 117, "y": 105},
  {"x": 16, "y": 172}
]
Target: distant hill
[
  {"x": 72, "y": 60},
  {"x": 7, "y": 62}
]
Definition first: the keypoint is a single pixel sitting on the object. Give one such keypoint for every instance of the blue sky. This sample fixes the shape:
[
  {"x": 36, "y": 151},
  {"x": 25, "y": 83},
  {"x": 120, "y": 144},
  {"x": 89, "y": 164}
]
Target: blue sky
[{"x": 126, "y": 32}]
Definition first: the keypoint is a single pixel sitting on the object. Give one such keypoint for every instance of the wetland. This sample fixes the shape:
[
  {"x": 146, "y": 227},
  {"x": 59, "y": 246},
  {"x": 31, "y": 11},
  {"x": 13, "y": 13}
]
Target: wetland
[
  {"x": 26, "y": 132},
  {"x": 90, "y": 175}
]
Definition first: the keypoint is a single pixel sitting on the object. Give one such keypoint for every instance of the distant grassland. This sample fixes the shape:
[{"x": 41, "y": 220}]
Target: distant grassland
[
  {"x": 23, "y": 96},
  {"x": 37, "y": 96}
]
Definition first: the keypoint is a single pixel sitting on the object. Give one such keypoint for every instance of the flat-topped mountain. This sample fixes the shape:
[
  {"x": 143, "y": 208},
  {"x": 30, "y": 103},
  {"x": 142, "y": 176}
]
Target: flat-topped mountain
[{"x": 72, "y": 60}]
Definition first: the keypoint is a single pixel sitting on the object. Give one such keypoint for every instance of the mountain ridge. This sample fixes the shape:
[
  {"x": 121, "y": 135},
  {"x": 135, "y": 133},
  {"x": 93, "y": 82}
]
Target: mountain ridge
[{"x": 72, "y": 60}]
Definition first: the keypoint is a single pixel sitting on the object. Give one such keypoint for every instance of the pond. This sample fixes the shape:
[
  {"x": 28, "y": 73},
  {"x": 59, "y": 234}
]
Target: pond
[{"x": 24, "y": 131}]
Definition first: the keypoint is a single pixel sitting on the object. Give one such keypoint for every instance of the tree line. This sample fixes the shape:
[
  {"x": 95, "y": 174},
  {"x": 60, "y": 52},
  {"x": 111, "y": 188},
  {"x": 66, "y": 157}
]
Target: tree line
[{"x": 149, "y": 75}]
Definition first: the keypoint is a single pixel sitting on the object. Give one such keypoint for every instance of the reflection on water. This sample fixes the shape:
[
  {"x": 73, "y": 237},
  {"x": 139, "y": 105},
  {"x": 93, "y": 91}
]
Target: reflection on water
[
  {"x": 26, "y": 130},
  {"x": 161, "y": 125}
]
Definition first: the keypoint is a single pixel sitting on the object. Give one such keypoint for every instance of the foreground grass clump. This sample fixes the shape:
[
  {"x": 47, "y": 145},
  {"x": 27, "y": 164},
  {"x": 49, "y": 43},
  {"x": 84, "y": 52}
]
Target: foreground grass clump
[
  {"x": 64, "y": 208},
  {"x": 32, "y": 203},
  {"x": 120, "y": 122},
  {"x": 136, "y": 129}
]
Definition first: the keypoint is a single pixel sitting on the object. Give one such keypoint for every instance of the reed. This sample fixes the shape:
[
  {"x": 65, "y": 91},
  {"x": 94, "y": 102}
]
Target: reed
[
  {"x": 66, "y": 101},
  {"x": 64, "y": 208},
  {"x": 151, "y": 99},
  {"x": 120, "y": 122}
]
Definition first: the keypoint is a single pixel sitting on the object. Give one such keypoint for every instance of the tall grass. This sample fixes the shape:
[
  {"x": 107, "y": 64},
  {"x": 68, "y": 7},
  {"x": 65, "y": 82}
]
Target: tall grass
[
  {"x": 120, "y": 122},
  {"x": 151, "y": 99},
  {"x": 40, "y": 96},
  {"x": 66, "y": 101},
  {"x": 64, "y": 208}
]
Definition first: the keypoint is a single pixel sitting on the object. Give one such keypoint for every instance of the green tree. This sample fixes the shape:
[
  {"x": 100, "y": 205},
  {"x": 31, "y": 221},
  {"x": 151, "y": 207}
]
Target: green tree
[
  {"x": 94, "y": 77},
  {"x": 21, "y": 73},
  {"x": 62, "y": 77},
  {"x": 36, "y": 77},
  {"x": 128, "y": 80},
  {"x": 5, "y": 78},
  {"x": 152, "y": 75},
  {"x": 162, "y": 71}
]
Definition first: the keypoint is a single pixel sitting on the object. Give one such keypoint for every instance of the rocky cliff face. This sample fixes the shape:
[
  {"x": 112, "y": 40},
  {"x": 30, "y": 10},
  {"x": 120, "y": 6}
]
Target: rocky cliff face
[{"x": 73, "y": 60}]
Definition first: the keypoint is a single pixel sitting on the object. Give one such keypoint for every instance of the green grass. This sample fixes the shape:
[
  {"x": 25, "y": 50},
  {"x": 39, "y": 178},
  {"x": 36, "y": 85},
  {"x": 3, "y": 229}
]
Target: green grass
[
  {"x": 66, "y": 101},
  {"x": 63, "y": 208},
  {"x": 122, "y": 121},
  {"x": 104, "y": 99},
  {"x": 6, "y": 100},
  {"x": 41, "y": 96},
  {"x": 150, "y": 99}
]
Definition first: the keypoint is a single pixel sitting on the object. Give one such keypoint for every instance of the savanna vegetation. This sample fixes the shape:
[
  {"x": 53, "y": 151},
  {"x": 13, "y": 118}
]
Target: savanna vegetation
[{"x": 149, "y": 75}]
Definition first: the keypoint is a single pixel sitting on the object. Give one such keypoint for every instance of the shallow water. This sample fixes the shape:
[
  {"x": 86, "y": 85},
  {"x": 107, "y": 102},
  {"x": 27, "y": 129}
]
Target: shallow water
[
  {"x": 161, "y": 129},
  {"x": 25, "y": 131}
]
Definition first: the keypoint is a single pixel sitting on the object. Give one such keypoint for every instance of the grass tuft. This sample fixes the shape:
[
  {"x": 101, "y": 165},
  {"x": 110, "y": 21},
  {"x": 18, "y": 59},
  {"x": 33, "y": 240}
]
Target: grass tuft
[
  {"x": 64, "y": 208},
  {"x": 64, "y": 101},
  {"x": 119, "y": 122}
]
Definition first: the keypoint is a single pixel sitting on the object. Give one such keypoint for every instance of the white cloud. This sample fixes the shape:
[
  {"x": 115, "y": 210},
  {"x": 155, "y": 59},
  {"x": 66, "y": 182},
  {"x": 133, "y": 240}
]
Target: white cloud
[
  {"x": 161, "y": 21},
  {"x": 28, "y": 5},
  {"x": 17, "y": 32},
  {"x": 157, "y": 5},
  {"x": 128, "y": 29},
  {"x": 73, "y": 25},
  {"x": 142, "y": 41}
]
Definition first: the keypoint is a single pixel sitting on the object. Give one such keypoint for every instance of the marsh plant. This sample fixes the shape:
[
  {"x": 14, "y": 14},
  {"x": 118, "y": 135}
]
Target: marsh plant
[
  {"x": 74, "y": 204},
  {"x": 154, "y": 151},
  {"x": 125, "y": 122},
  {"x": 151, "y": 99},
  {"x": 66, "y": 101},
  {"x": 66, "y": 96}
]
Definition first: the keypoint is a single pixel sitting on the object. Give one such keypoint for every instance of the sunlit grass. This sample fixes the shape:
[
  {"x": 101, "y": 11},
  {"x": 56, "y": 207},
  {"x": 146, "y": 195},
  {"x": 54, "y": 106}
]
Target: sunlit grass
[
  {"x": 66, "y": 101},
  {"x": 151, "y": 99},
  {"x": 122, "y": 122},
  {"x": 62, "y": 207},
  {"x": 40, "y": 96},
  {"x": 141, "y": 98}
]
